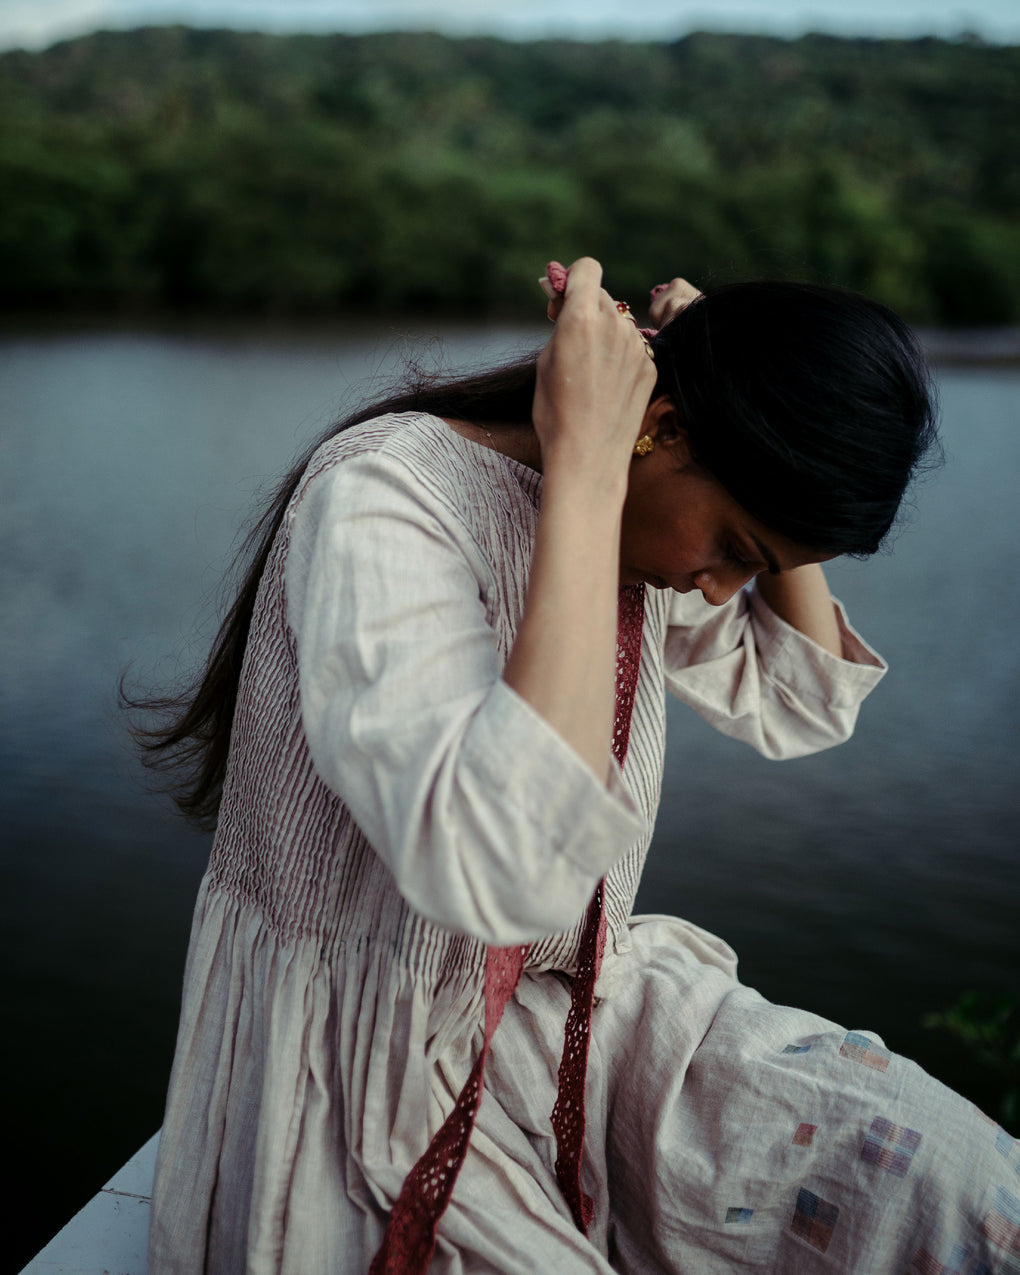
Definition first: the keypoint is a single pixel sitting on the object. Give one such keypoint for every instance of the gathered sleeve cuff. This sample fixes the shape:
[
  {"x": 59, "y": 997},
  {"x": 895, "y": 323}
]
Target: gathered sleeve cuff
[
  {"x": 755, "y": 677},
  {"x": 489, "y": 821}
]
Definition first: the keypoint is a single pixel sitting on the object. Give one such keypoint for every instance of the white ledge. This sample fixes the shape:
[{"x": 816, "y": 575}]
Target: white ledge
[{"x": 110, "y": 1235}]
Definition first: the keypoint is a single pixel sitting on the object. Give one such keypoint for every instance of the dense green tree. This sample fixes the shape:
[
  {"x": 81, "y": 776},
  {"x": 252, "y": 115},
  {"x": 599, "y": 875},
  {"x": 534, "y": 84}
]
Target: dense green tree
[{"x": 170, "y": 166}]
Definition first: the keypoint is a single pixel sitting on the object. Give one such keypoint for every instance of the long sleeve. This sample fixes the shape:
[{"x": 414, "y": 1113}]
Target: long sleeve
[
  {"x": 490, "y": 823},
  {"x": 755, "y": 677}
]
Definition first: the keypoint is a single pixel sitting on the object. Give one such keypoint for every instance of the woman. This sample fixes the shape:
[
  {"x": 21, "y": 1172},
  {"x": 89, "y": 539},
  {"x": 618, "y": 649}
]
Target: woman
[{"x": 447, "y": 733}]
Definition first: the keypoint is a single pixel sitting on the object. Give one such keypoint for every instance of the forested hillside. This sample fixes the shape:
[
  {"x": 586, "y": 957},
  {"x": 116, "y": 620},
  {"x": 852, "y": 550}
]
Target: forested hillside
[{"x": 178, "y": 167}]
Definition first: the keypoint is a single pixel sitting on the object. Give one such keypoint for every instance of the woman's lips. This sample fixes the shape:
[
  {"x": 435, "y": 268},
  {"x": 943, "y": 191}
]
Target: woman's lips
[{"x": 657, "y": 582}]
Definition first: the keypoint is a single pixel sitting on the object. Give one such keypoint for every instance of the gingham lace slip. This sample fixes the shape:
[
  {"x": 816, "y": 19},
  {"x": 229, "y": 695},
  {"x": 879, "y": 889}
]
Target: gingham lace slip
[{"x": 410, "y": 1237}]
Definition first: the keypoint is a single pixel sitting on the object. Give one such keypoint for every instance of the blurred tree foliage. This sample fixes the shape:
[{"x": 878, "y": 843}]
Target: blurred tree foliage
[
  {"x": 197, "y": 168},
  {"x": 989, "y": 1030}
]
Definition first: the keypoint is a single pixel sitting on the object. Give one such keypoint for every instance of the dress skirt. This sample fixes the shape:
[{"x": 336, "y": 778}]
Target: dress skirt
[{"x": 724, "y": 1133}]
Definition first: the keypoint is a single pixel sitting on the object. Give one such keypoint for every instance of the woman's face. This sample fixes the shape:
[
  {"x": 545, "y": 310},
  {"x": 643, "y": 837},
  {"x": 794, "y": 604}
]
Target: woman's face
[{"x": 682, "y": 530}]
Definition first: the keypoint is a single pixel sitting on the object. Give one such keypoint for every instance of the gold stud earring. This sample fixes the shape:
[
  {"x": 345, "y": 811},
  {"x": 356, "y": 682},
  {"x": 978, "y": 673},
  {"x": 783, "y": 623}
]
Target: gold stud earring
[{"x": 644, "y": 445}]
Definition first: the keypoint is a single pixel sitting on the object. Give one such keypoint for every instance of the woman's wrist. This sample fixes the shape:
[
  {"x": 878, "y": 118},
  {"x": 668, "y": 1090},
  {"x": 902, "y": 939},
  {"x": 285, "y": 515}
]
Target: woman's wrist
[
  {"x": 584, "y": 477},
  {"x": 801, "y": 597}
]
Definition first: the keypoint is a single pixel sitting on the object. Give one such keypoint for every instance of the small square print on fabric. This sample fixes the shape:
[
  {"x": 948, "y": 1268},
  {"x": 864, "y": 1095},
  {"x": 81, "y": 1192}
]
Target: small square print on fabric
[
  {"x": 860, "y": 1049},
  {"x": 1004, "y": 1143},
  {"x": 804, "y": 1135},
  {"x": 1002, "y": 1227},
  {"x": 890, "y": 1146},
  {"x": 797, "y": 1049},
  {"x": 739, "y": 1215},
  {"x": 925, "y": 1263},
  {"x": 814, "y": 1219}
]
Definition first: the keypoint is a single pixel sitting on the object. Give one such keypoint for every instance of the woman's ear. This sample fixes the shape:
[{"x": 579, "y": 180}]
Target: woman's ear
[{"x": 662, "y": 424}]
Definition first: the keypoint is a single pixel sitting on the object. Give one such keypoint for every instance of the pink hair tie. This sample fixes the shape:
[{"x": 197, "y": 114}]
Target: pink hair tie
[{"x": 557, "y": 276}]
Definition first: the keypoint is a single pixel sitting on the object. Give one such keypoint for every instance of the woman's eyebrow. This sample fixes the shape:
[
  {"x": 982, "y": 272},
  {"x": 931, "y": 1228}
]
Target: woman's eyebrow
[{"x": 766, "y": 554}]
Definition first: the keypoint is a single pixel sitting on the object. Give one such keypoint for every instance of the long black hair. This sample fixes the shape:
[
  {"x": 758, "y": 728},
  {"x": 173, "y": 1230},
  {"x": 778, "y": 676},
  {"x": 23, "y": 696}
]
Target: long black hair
[{"x": 813, "y": 407}]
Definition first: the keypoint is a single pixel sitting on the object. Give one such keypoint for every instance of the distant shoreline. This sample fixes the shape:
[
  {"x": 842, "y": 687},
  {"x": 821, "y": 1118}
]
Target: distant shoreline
[
  {"x": 945, "y": 347},
  {"x": 978, "y": 346}
]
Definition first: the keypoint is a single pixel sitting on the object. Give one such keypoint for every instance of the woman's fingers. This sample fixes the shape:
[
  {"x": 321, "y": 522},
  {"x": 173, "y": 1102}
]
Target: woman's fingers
[
  {"x": 555, "y": 304},
  {"x": 581, "y": 281},
  {"x": 585, "y": 274},
  {"x": 668, "y": 299}
]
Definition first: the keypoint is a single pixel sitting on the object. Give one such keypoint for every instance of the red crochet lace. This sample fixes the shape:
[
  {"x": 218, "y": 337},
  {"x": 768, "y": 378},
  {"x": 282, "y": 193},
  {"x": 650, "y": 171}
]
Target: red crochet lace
[{"x": 410, "y": 1238}]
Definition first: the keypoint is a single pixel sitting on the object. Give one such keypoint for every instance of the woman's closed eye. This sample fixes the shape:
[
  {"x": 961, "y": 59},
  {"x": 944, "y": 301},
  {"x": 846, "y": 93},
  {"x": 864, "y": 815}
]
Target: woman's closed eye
[{"x": 734, "y": 558}]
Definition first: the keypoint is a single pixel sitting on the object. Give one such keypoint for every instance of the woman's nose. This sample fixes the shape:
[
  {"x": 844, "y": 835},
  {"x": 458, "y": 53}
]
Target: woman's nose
[{"x": 719, "y": 584}]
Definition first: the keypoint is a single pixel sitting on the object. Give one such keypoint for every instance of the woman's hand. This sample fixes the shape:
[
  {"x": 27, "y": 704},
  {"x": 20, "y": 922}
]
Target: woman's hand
[
  {"x": 668, "y": 299},
  {"x": 594, "y": 382}
]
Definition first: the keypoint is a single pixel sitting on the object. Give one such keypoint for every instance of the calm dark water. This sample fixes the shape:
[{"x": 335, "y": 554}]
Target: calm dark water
[{"x": 871, "y": 884}]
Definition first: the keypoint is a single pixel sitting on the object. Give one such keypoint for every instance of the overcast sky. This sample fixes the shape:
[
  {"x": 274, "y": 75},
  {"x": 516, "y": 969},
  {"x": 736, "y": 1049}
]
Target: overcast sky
[{"x": 35, "y": 24}]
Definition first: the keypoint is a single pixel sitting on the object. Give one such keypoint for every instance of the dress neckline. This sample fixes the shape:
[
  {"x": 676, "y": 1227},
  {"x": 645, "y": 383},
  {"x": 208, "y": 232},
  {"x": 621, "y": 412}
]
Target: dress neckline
[{"x": 490, "y": 458}]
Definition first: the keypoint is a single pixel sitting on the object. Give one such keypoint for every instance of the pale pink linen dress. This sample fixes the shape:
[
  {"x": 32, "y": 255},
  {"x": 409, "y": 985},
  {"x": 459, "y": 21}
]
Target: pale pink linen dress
[{"x": 391, "y": 807}]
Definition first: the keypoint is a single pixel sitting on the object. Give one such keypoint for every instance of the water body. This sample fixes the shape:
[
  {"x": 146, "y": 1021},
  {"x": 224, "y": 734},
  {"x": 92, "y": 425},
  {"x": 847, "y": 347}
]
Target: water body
[{"x": 871, "y": 884}]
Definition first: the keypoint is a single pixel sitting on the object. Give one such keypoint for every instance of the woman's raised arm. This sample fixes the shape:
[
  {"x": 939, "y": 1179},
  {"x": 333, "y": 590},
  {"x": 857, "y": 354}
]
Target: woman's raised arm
[{"x": 594, "y": 383}]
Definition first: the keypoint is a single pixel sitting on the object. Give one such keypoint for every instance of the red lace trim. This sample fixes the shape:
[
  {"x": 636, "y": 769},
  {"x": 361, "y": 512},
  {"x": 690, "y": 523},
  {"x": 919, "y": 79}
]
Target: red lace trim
[
  {"x": 568, "y": 1116},
  {"x": 410, "y": 1238}
]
